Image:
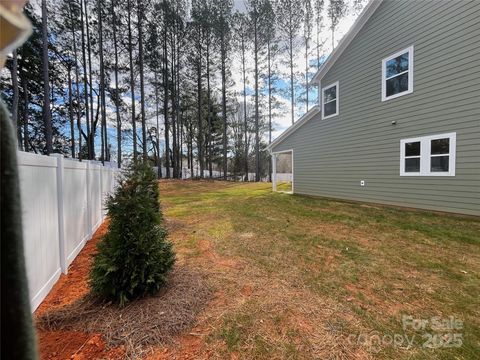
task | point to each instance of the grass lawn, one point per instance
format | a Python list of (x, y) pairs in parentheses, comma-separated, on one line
[(300, 277), (285, 186)]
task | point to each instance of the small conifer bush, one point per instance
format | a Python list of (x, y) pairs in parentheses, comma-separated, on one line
[(134, 257)]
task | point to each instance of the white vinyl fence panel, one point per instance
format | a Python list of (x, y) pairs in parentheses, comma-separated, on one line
[(95, 186), (187, 174), (62, 205), (75, 207), (284, 177)]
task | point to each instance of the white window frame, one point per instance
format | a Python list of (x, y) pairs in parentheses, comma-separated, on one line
[(337, 99), (409, 71), (425, 155)]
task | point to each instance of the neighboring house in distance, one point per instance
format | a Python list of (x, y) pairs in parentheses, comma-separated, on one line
[(398, 120)]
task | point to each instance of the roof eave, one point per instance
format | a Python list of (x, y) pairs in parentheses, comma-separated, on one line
[(302, 120)]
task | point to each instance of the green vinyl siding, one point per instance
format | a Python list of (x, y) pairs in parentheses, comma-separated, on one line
[(332, 155)]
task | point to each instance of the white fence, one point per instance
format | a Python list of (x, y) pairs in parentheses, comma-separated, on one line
[(284, 177), (62, 204), (187, 174)]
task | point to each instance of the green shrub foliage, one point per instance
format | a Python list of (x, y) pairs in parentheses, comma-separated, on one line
[(134, 256)]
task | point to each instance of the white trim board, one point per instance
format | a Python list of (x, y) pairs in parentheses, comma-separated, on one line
[(346, 40), (337, 99), (76, 251), (425, 155), (411, 60), (293, 171), (37, 299)]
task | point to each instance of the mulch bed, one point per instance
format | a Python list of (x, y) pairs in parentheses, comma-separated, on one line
[(71, 312)]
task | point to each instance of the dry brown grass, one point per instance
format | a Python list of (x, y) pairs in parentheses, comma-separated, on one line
[(145, 322)]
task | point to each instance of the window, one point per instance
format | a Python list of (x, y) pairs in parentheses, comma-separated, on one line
[(428, 155), (397, 74), (330, 101), (412, 156)]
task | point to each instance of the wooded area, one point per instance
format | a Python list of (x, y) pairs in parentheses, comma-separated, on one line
[(152, 79)]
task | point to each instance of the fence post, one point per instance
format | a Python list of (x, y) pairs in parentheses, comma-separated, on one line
[(274, 172), (61, 220), (89, 203), (102, 169)]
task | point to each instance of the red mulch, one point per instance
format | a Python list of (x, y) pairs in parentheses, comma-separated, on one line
[(71, 287)]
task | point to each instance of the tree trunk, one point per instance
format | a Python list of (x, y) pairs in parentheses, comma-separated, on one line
[(257, 135), (209, 106), (74, 40), (47, 117), (333, 38), (245, 108), (85, 84), (25, 114), (70, 111), (269, 106), (132, 81), (117, 97), (91, 134), (191, 148), (292, 89), (15, 97), (157, 132), (306, 71), (200, 110), (105, 156), (177, 107), (165, 97), (142, 85), (174, 117), (318, 45), (224, 102)]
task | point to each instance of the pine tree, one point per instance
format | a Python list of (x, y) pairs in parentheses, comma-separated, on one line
[(134, 256)]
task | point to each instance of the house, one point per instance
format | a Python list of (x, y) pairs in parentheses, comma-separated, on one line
[(398, 120)]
